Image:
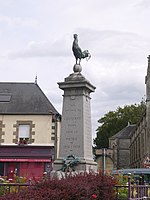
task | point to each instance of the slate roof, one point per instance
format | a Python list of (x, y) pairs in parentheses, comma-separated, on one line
[(124, 133), (24, 98)]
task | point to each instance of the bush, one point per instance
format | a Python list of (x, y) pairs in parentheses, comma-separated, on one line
[(85, 186), (122, 196)]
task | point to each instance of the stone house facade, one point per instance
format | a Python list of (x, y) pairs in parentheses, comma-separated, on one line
[(29, 124), (104, 159), (138, 144), (120, 143)]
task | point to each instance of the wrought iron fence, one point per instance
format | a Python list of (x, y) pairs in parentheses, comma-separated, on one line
[(6, 188), (134, 191)]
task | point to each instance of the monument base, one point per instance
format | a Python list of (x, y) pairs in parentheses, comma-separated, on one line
[(83, 166)]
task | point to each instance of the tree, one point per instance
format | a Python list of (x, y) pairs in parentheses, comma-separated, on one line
[(114, 121)]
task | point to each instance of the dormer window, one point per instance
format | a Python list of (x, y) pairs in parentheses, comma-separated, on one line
[(5, 97), (23, 134)]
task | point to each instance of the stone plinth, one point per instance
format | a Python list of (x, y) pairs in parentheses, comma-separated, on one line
[(76, 135)]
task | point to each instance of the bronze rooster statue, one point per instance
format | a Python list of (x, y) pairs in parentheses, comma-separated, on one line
[(78, 53)]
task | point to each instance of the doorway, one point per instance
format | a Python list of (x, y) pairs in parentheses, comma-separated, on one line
[(1, 169)]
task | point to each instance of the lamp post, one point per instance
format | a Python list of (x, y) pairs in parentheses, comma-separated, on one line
[(104, 159)]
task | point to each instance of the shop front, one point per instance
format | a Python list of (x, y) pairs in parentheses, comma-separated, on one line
[(25, 161)]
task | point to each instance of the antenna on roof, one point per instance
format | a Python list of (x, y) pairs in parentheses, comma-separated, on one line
[(35, 79)]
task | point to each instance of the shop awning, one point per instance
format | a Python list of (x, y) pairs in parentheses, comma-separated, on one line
[(23, 160)]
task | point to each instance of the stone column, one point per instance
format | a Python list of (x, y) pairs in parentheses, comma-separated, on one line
[(76, 135)]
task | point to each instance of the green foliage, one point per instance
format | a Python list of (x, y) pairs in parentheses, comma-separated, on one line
[(114, 121), (122, 191), (122, 196), (4, 189)]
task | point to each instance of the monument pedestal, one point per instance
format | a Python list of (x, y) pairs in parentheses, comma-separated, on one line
[(76, 135)]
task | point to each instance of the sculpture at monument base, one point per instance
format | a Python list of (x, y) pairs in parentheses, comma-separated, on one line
[(70, 162)]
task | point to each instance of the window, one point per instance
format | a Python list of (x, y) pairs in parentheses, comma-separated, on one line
[(52, 138), (53, 128), (24, 134), (5, 97)]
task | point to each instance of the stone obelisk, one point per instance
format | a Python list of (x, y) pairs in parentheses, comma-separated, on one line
[(76, 134)]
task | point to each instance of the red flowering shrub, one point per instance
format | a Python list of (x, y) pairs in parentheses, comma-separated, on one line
[(85, 186)]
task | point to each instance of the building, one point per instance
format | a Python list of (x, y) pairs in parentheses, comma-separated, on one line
[(29, 124), (104, 159), (120, 143), (131, 145), (140, 138), (138, 144)]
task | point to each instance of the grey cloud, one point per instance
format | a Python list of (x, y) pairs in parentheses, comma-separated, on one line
[(116, 90), (114, 45), (125, 92), (42, 49), (18, 21), (116, 97), (55, 96), (143, 4), (120, 44), (104, 44)]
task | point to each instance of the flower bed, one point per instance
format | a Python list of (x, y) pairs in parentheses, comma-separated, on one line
[(4, 189), (85, 186)]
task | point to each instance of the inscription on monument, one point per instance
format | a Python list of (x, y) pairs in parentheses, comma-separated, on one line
[(73, 123), (87, 121)]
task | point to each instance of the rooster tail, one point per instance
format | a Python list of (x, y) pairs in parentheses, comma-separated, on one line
[(88, 57), (86, 54)]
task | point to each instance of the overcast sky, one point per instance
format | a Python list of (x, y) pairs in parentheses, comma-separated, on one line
[(36, 39)]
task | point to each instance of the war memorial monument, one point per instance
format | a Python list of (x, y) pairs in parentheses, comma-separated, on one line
[(75, 146)]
